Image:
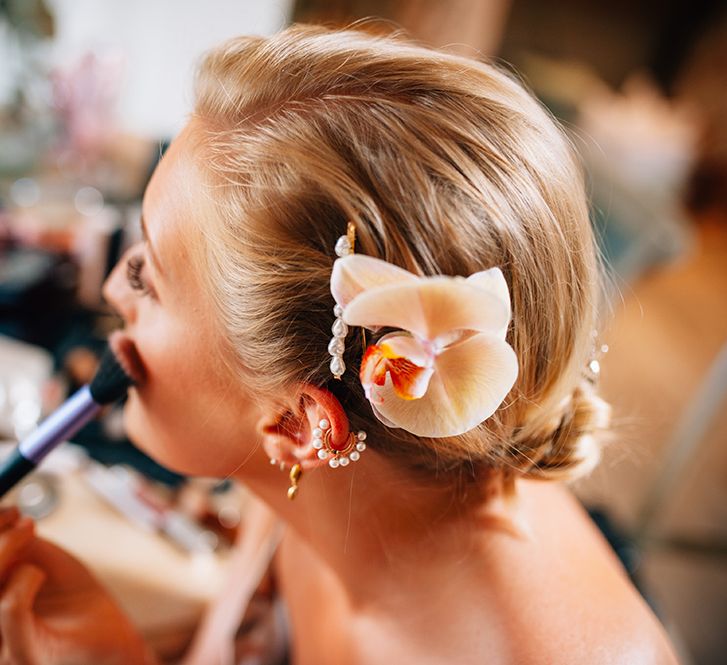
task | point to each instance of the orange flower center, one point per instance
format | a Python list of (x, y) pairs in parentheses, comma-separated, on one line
[(406, 375)]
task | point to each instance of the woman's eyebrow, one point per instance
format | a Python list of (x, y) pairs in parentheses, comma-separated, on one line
[(150, 248)]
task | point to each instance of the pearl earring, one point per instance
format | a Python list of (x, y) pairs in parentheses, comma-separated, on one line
[(350, 452)]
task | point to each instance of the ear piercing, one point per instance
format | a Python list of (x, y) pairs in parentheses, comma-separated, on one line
[(281, 464), (337, 456), (351, 451)]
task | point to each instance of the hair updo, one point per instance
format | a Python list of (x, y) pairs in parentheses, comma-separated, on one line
[(446, 166)]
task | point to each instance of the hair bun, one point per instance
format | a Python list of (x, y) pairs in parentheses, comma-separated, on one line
[(573, 448)]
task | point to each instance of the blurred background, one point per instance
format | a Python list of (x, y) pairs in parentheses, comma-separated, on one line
[(92, 92)]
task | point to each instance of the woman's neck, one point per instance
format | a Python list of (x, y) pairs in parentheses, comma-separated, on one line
[(373, 523)]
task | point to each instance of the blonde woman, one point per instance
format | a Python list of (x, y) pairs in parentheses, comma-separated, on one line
[(370, 264)]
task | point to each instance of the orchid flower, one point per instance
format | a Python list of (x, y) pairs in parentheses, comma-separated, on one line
[(447, 367)]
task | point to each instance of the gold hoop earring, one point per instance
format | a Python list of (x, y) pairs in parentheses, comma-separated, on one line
[(340, 456)]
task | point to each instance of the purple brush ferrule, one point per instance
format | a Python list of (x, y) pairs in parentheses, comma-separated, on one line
[(60, 426)]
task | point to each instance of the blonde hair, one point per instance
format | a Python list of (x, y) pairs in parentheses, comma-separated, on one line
[(446, 166)]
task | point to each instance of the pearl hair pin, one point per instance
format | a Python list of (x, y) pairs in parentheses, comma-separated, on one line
[(351, 452), (337, 346)]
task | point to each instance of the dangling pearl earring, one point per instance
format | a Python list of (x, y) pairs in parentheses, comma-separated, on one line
[(350, 452)]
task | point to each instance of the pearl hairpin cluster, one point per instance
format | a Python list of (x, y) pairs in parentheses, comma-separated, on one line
[(351, 452), (337, 346)]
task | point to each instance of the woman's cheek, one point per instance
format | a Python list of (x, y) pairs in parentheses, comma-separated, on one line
[(168, 434), (145, 432), (155, 411), (187, 414), (185, 441)]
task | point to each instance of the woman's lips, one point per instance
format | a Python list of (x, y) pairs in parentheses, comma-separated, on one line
[(128, 356)]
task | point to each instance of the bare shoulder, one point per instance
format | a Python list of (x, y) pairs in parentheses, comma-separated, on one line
[(571, 600)]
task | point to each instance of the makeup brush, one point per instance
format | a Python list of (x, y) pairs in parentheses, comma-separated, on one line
[(109, 384)]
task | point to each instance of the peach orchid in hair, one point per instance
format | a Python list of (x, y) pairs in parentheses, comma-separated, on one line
[(447, 367)]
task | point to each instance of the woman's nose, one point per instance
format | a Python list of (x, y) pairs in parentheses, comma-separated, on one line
[(117, 291)]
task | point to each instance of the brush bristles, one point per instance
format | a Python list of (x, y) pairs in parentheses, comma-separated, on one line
[(111, 381)]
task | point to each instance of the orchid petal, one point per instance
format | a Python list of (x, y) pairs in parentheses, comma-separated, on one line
[(431, 308), (403, 359), (469, 383), (493, 280), (399, 345), (356, 273), (373, 369), (409, 381)]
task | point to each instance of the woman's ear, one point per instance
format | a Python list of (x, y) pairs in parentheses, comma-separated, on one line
[(287, 432)]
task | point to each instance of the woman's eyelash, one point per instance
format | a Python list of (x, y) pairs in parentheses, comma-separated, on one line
[(133, 273)]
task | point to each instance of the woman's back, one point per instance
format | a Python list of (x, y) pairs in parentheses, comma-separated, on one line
[(544, 588)]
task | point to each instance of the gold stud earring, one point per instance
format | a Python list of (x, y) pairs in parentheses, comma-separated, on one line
[(295, 473)]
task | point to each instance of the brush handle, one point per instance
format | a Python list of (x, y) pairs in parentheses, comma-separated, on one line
[(12, 470), (60, 426)]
